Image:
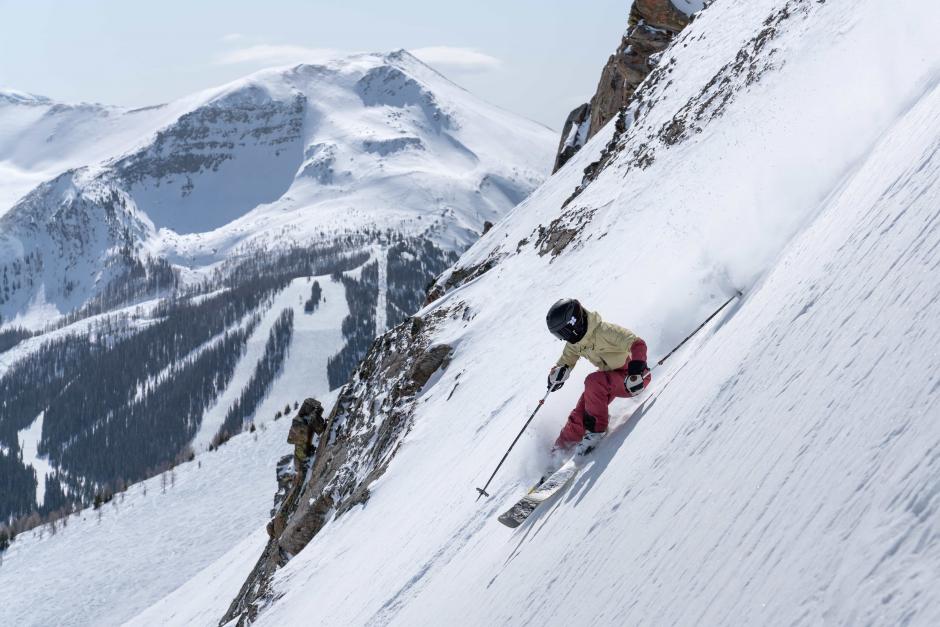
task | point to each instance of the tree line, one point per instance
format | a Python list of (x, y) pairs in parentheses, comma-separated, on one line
[(124, 400)]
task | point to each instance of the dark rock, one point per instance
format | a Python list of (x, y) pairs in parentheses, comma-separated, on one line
[(563, 230), (286, 471), (653, 25), (309, 420), (428, 363), (574, 134)]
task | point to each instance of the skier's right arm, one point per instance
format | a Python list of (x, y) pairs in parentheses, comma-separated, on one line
[(569, 357)]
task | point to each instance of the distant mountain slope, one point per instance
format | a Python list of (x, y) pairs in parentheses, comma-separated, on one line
[(138, 273), (370, 142)]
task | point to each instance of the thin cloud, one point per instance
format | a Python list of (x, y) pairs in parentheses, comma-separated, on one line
[(454, 58), (276, 55), (232, 37)]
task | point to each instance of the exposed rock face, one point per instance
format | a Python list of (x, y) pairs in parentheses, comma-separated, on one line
[(304, 433), (652, 27), (659, 14), (351, 449), (573, 134), (249, 139)]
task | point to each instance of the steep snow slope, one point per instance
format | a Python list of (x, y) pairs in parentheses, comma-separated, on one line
[(364, 143), (788, 472)]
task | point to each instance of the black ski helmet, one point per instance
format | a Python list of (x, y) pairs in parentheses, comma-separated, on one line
[(567, 320)]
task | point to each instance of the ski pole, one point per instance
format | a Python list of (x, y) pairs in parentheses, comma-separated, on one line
[(737, 293), (482, 490)]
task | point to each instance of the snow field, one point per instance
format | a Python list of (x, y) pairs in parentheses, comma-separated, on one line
[(381, 302), (206, 597), (146, 544), (29, 445)]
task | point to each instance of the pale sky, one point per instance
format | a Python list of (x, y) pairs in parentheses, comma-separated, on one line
[(539, 58)]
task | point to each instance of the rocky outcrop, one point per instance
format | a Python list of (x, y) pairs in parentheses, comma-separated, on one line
[(574, 134), (653, 25), (350, 450), (754, 59), (304, 433)]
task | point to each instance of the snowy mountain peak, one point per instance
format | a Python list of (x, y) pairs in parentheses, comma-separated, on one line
[(283, 156)]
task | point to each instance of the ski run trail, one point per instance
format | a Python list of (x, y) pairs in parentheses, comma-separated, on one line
[(786, 473), (305, 366)]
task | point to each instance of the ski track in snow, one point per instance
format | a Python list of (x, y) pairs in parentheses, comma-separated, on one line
[(27, 346), (159, 378)]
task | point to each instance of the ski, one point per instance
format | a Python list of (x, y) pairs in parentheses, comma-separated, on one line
[(518, 513), (549, 486)]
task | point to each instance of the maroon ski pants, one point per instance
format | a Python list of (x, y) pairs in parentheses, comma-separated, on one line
[(600, 388)]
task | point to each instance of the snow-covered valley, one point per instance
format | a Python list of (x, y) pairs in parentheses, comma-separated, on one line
[(783, 468)]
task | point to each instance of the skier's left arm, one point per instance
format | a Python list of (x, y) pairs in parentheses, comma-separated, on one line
[(638, 352), (629, 342)]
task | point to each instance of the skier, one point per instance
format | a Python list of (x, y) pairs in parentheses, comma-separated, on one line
[(619, 355)]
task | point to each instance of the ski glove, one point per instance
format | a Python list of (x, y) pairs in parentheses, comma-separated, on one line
[(557, 377), (636, 366), (636, 370)]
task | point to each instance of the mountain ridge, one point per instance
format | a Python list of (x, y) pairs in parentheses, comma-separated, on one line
[(250, 160)]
